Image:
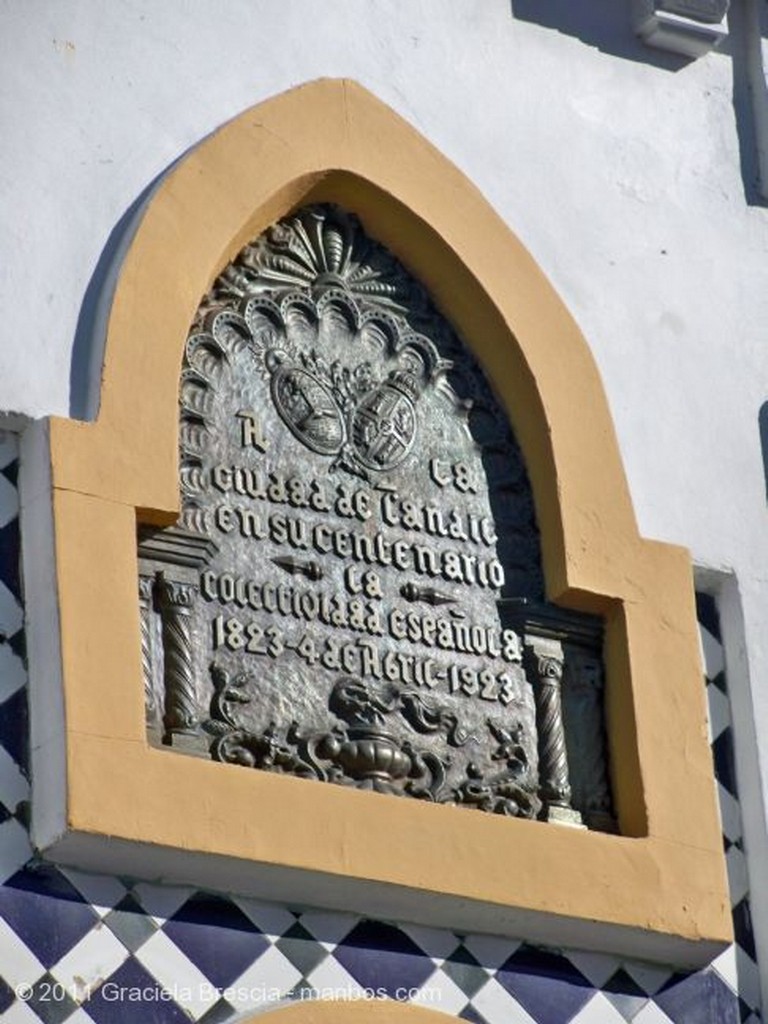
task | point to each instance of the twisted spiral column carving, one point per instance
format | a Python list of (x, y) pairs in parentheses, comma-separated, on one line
[(145, 608), (545, 660), (181, 711), (555, 787)]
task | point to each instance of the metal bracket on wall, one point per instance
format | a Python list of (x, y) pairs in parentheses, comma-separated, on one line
[(755, 33), (688, 27)]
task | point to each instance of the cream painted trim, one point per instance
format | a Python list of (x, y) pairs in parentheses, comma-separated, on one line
[(659, 890)]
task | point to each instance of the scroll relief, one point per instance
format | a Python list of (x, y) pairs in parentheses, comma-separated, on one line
[(356, 522)]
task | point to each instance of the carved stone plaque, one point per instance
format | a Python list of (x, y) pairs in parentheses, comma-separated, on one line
[(341, 598)]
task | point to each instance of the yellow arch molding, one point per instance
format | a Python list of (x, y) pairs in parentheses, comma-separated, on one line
[(658, 890), (352, 1011)]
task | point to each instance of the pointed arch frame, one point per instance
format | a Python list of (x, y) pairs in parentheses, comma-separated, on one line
[(101, 793)]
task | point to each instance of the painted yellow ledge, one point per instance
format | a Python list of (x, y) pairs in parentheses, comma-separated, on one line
[(659, 889), (354, 1011)]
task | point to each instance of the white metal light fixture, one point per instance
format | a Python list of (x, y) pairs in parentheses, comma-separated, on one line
[(688, 27)]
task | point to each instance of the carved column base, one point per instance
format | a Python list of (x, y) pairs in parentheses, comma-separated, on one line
[(196, 743), (155, 736), (563, 816)]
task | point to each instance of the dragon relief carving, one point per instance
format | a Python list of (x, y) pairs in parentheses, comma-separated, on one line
[(361, 752)]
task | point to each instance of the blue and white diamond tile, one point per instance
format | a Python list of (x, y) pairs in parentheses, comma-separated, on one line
[(651, 1013), (9, 501), (45, 912), (11, 612), (9, 448), (101, 950), (161, 902), (440, 990), (546, 984), (330, 976), (177, 974), (95, 957), (297, 945), (215, 935), (268, 980), (128, 922), (738, 878), (599, 1010), (327, 927), (13, 676), (649, 978), (100, 892), (398, 962), (730, 816), (434, 942), (14, 787), (625, 995), (20, 1013), (490, 950), (598, 968), (465, 971), (20, 966), (748, 978), (271, 920), (496, 1005), (133, 994)]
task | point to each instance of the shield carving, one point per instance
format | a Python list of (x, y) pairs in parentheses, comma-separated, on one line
[(383, 427), (309, 410)]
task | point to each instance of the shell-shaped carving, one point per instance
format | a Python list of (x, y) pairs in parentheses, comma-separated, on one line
[(335, 248), (205, 356), (230, 331), (298, 305), (195, 519), (424, 349), (237, 279), (381, 330), (193, 434), (195, 395), (299, 318), (321, 241), (341, 303), (263, 318), (337, 317), (192, 477), (320, 247)]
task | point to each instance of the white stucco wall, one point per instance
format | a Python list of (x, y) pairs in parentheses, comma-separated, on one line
[(619, 169)]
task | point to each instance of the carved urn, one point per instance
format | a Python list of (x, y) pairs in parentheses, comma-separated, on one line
[(371, 757)]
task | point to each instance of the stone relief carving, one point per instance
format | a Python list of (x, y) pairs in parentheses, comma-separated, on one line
[(353, 592), (360, 751)]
